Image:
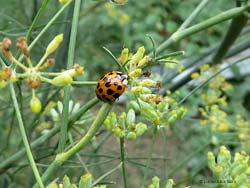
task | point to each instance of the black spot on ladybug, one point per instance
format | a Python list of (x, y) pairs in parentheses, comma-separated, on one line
[(105, 79), (110, 91), (115, 83), (119, 88), (104, 96), (116, 95), (108, 100), (98, 85), (99, 97), (100, 90), (110, 73), (108, 84)]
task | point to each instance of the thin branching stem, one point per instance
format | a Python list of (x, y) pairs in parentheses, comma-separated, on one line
[(62, 157), (177, 36), (150, 155), (67, 93), (24, 138), (122, 156), (73, 118)]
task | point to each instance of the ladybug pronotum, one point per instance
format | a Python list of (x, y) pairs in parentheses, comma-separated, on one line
[(111, 86)]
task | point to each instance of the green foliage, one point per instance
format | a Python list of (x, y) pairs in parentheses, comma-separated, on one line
[(162, 126)]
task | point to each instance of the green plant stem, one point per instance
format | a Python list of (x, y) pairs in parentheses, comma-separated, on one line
[(71, 54), (24, 137), (46, 27), (35, 21), (151, 150), (179, 35), (62, 157), (106, 174), (84, 83), (12, 159), (77, 155), (234, 30), (122, 156), (193, 15)]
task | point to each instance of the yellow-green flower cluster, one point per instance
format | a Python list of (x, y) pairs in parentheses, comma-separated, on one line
[(213, 99), (125, 125), (121, 17), (153, 107), (157, 109), (156, 183), (215, 117), (33, 73), (235, 172), (243, 129), (86, 181)]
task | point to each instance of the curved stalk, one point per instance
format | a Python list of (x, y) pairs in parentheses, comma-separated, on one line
[(177, 36), (62, 157)]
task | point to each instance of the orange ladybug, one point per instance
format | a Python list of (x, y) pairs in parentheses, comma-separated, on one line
[(111, 86)]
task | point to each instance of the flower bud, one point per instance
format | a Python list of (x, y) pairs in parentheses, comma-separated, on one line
[(72, 186), (124, 56), (117, 131), (148, 111), (140, 90), (35, 105), (151, 98), (224, 155), (136, 58), (195, 75), (133, 104), (3, 84), (107, 125), (140, 128), (6, 73), (63, 2), (53, 185), (156, 182), (131, 135), (53, 45), (78, 69), (34, 83), (122, 120), (147, 83), (135, 73), (130, 117), (49, 62), (163, 106), (239, 169), (170, 183), (211, 160), (113, 119), (86, 181), (145, 60), (62, 80), (6, 44), (66, 182), (22, 45)]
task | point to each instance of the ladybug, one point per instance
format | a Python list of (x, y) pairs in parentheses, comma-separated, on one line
[(111, 86)]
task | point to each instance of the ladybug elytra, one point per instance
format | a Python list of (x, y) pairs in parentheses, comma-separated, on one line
[(111, 86)]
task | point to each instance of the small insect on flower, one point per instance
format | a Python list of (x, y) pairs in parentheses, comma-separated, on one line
[(111, 86)]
